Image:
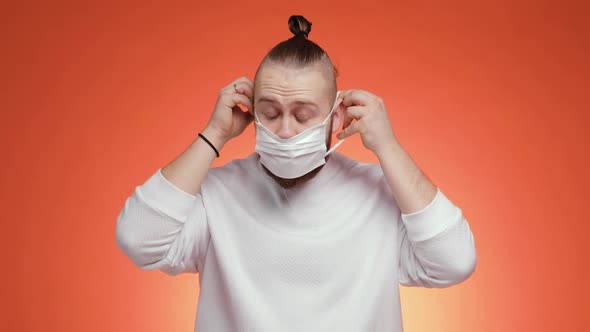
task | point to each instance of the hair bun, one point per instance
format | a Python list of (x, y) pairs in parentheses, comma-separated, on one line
[(298, 25)]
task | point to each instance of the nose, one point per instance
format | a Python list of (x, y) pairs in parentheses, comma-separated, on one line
[(286, 130)]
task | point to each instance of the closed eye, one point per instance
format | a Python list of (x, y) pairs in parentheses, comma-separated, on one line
[(301, 120), (269, 113), (302, 115)]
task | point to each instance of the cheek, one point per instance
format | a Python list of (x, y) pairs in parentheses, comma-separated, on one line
[(272, 125)]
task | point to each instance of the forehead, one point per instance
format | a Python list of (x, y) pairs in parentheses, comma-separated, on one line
[(291, 85)]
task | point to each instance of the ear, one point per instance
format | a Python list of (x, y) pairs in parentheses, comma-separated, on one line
[(338, 117)]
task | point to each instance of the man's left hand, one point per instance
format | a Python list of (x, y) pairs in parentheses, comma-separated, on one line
[(371, 122)]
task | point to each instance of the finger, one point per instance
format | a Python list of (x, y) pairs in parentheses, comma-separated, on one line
[(243, 83), (247, 89), (355, 112), (244, 86), (231, 88), (350, 130), (246, 102), (241, 86), (244, 79), (241, 120), (351, 113), (346, 122), (356, 97), (239, 99), (245, 118)]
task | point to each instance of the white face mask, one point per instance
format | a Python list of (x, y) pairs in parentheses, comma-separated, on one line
[(293, 157)]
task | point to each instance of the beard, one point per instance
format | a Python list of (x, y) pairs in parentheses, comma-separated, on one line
[(290, 183)]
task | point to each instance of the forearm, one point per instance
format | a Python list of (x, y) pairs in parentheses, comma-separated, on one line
[(188, 170), (437, 248), (411, 188)]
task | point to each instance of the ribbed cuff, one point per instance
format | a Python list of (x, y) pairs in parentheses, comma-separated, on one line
[(431, 220), (165, 197)]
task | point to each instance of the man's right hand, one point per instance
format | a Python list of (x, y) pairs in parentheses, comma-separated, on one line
[(228, 120)]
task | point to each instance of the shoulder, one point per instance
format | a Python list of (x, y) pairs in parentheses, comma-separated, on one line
[(365, 180), (235, 172), (231, 180), (362, 177), (235, 183), (355, 169)]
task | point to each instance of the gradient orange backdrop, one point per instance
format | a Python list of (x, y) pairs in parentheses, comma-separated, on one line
[(489, 98)]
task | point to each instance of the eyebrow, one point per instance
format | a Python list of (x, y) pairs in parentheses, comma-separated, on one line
[(297, 102)]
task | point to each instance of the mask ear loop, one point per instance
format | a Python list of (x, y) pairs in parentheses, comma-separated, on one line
[(334, 147), (340, 141), (256, 118)]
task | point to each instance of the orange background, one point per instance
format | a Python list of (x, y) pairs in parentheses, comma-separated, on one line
[(489, 98)]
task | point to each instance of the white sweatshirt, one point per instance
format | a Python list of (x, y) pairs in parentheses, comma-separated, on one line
[(326, 256)]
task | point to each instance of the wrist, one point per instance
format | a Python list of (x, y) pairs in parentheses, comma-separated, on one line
[(214, 137), (388, 149)]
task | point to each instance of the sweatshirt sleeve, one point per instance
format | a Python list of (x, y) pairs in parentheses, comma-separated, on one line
[(163, 227), (436, 245)]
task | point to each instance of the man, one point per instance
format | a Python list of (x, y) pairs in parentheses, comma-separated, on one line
[(295, 237)]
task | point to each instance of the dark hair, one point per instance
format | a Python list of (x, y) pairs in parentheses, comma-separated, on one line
[(298, 50)]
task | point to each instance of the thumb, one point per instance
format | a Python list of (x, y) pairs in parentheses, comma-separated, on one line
[(348, 131), (242, 120)]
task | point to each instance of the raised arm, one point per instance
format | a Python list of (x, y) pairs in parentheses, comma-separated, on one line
[(436, 244), (163, 223)]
